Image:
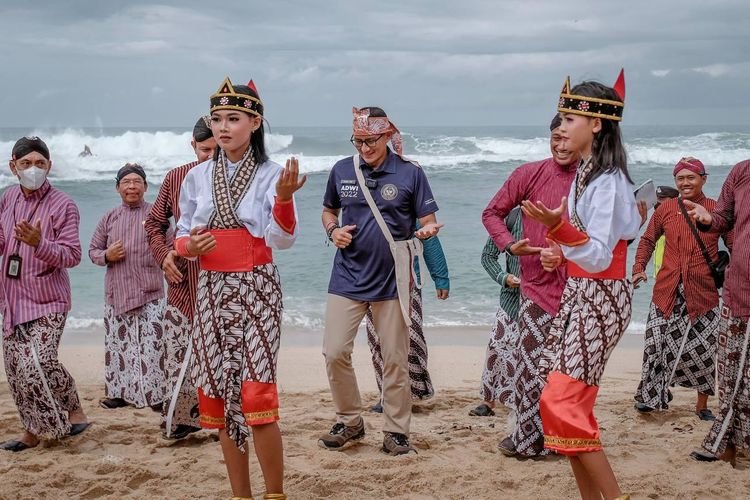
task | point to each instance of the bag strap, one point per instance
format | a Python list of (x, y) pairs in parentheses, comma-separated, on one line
[(702, 246), (415, 248), (371, 201)]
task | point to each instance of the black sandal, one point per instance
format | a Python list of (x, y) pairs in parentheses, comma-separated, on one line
[(705, 414), (112, 403), (76, 429), (482, 410), (702, 456), (16, 446)]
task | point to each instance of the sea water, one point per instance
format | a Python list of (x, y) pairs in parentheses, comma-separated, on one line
[(465, 167)]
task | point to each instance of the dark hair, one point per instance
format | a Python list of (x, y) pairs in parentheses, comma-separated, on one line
[(257, 139), (556, 122), (608, 152), (375, 111), (202, 130)]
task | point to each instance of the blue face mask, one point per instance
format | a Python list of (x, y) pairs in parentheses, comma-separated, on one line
[(32, 178)]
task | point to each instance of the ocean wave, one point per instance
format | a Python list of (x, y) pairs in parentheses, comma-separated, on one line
[(162, 150)]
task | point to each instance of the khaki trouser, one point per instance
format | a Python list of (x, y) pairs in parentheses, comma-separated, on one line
[(343, 317)]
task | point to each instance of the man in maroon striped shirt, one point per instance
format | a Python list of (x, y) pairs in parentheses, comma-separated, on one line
[(180, 413), (731, 429), (134, 299), (38, 242), (683, 320), (547, 181)]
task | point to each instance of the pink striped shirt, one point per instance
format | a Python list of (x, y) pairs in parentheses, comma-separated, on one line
[(136, 279), (733, 212), (44, 286), (544, 181)]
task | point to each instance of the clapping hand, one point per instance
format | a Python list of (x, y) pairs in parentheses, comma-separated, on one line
[(551, 256), (428, 230), (289, 181), (540, 213), (201, 241)]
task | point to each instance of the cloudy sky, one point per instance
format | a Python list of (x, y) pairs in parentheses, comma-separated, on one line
[(427, 62)]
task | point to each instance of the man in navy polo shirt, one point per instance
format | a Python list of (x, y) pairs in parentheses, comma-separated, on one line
[(364, 274)]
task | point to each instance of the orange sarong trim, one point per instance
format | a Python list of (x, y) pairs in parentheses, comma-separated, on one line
[(567, 411), (260, 403), (570, 443)]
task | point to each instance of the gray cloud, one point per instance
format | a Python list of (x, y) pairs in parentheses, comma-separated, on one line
[(80, 63)]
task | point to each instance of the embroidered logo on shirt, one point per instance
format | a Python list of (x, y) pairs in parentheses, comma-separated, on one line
[(389, 192)]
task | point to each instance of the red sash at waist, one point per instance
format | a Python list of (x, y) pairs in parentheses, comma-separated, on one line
[(615, 271), (236, 251)]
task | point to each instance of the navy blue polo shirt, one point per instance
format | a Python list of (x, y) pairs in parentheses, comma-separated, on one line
[(364, 270)]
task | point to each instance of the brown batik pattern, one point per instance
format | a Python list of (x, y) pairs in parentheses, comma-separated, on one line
[(593, 316), (419, 377), (533, 326), (134, 354), (499, 374), (674, 344), (178, 330), (43, 390), (238, 329), (732, 424)]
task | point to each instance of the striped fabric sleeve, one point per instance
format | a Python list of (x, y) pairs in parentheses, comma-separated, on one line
[(437, 265), (157, 222), (647, 244), (98, 245), (65, 249), (491, 262)]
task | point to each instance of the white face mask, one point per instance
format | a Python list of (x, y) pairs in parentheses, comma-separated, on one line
[(32, 178)]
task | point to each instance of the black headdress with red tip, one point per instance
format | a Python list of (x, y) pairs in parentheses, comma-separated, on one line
[(227, 98), (592, 106)]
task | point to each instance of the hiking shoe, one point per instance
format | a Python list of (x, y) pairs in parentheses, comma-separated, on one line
[(341, 434), (377, 408), (397, 444)]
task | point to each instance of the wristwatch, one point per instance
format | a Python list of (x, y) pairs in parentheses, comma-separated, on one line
[(507, 248)]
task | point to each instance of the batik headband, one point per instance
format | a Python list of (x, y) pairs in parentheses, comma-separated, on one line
[(227, 98), (364, 124), (592, 106), (689, 163)]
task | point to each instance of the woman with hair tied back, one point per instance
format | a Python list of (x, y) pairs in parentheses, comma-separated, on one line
[(588, 233), (234, 210)]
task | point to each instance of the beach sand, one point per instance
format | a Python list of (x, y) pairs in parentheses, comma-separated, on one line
[(123, 455)]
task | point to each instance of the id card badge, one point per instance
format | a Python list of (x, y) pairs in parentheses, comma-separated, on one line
[(14, 267)]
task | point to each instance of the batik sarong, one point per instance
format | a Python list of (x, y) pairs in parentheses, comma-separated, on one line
[(134, 354), (593, 316), (677, 352), (178, 331), (43, 390), (236, 347), (499, 374), (732, 424), (421, 384), (533, 326)]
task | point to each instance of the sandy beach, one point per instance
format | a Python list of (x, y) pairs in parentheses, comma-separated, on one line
[(123, 455)]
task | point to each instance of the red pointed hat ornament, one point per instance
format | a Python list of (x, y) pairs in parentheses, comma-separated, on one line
[(228, 98), (592, 106)]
